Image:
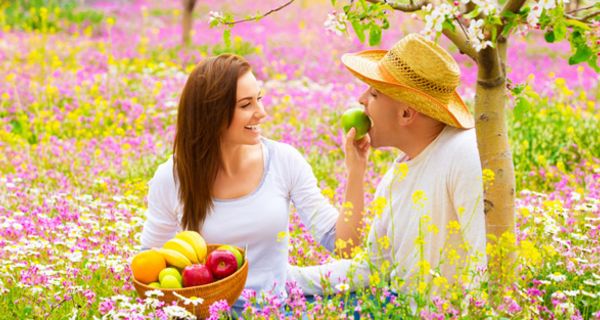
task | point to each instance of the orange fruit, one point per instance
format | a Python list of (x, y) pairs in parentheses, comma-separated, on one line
[(146, 266)]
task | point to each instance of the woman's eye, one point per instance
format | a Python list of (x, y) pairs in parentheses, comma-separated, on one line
[(245, 106)]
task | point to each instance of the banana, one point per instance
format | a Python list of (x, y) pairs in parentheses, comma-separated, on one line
[(174, 258), (182, 247), (196, 241)]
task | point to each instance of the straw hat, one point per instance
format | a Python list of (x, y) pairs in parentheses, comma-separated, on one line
[(417, 71)]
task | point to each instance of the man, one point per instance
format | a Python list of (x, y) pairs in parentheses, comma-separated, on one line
[(432, 223)]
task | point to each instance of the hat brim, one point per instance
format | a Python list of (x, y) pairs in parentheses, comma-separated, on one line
[(365, 66)]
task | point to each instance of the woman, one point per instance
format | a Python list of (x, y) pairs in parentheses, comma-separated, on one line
[(233, 186)]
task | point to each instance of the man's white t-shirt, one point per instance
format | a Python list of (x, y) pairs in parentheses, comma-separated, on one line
[(258, 220), (432, 203)]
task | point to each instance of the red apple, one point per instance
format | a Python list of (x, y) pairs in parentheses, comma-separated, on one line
[(235, 251), (196, 274), (221, 263)]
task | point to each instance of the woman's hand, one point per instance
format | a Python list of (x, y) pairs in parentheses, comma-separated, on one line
[(356, 152)]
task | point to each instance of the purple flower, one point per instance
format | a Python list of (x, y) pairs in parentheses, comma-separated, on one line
[(218, 308)]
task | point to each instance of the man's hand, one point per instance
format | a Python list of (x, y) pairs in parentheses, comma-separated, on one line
[(356, 152)]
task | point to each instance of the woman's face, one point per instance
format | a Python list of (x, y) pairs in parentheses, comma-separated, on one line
[(383, 112), (249, 113)]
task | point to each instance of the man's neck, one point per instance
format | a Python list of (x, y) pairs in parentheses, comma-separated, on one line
[(419, 140)]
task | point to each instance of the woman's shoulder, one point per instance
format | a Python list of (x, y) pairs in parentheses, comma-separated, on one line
[(281, 150), (164, 173)]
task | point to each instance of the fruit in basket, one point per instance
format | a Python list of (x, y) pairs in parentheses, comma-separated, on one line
[(169, 271), (174, 258), (146, 266), (196, 275), (196, 241), (236, 253), (221, 263), (182, 247), (170, 282), (155, 285)]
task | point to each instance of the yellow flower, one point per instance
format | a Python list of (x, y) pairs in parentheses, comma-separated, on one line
[(453, 227), (340, 244), (384, 242), (378, 204), (385, 265), (453, 256), (374, 279), (424, 267), (433, 228), (401, 171), (460, 211), (440, 281), (419, 198), (488, 177), (281, 235), (328, 193), (530, 253)]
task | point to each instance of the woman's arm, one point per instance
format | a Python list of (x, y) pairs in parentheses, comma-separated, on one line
[(348, 222), (161, 219)]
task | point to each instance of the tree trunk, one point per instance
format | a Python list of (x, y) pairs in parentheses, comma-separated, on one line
[(492, 139), (187, 20)]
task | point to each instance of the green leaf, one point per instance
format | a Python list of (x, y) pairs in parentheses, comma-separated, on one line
[(359, 30), (549, 36), (374, 35), (447, 24), (583, 53), (386, 24), (577, 24), (472, 14), (577, 39), (518, 89), (333, 3), (593, 62), (560, 30), (509, 14), (509, 26), (227, 37), (521, 107)]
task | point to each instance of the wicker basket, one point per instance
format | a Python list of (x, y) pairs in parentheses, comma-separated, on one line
[(229, 288)]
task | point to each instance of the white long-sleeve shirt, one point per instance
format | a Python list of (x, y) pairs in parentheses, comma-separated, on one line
[(257, 220), (436, 197)]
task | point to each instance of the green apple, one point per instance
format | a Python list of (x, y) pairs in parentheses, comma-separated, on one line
[(169, 271), (235, 251), (357, 118), (155, 285), (170, 282)]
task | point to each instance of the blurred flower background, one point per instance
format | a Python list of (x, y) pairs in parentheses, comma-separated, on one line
[(88, 100)]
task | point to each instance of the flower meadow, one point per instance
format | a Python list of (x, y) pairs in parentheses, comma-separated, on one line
[(88, 101)]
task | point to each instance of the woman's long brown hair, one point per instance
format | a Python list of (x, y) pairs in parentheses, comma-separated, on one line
[(206, 108)]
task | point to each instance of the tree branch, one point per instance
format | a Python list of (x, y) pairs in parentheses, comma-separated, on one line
[(585, 19), (261, 16), (581, 9), (512, 6), (461, 42), (411, 7), (589, 16)]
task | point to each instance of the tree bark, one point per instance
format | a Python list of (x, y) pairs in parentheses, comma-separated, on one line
[(492, 139), (187, 20)]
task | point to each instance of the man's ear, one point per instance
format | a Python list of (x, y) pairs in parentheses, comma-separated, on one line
[(406, 115)]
